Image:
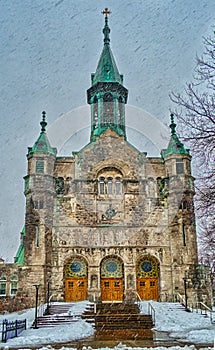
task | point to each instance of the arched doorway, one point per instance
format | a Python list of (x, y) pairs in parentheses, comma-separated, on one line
[(112, 279), (148, 278), (75, 275)]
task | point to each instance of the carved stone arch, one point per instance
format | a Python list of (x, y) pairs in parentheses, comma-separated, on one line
[(122, 167)]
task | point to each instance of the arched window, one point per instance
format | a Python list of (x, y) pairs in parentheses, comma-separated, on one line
[(3, 282), (110, 181), (13, 285), (110, 185), (101, 185)]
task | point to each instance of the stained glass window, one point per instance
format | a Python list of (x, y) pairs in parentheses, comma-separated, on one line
[(111, 267), (76, 267), (148, 267)]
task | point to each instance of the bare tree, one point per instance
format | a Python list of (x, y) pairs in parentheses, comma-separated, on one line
[(196, 115)]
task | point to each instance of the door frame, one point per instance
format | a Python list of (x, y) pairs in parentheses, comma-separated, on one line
[(148, 269), (75, 269), (108, 272)]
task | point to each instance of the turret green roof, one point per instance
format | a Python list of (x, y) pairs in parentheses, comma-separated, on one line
[(175, 146), (107, 70), (42, 145), (19, 258)]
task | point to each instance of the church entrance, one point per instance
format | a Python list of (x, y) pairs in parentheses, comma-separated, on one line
[(75, 289), (112, 279), (148, 278), (75, 277)]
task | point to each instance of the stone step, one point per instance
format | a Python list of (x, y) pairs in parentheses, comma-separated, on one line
[(121, 334), (117, 307)]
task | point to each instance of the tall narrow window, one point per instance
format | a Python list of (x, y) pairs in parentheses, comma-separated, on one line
[(184, 234), (95, 112), (110, 185), (39, 166), (179, 166), (13, 285), (101, 185), (37, 236), (3, 282), (121, 113), (118, 185), (108, 109)]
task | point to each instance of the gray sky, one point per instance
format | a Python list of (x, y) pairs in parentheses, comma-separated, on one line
[(48, 49)]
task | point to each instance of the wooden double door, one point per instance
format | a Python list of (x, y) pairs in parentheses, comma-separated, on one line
[(147, 288), (112, 289), (75, 289)]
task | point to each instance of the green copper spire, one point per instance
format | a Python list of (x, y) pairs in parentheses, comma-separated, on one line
[(175, 146), (107, 95), (107, 70), (42, 144), (19, 258)]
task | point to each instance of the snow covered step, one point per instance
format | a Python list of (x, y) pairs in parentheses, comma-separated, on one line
[(62, 314)]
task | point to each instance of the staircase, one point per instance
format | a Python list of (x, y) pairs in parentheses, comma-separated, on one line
[(111, 320), (57, 315), (122, 321)]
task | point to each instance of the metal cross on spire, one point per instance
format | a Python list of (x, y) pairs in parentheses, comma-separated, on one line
[(106, 29), (106, 12)]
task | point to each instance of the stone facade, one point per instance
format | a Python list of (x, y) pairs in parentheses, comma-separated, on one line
[(107, 223)]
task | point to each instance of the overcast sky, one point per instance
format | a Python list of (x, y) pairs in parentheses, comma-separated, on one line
[(48, 49)]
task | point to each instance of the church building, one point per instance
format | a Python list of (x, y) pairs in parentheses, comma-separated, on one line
[(107, 223)]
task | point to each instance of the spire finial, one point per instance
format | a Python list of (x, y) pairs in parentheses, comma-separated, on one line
[(43, 122), (172, 125), (106, 29)]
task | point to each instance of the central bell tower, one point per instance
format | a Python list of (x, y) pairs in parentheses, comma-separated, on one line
[(107, 95)]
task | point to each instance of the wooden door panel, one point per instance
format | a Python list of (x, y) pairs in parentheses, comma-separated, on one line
[(147, 288), (112, 289), (75, 289)]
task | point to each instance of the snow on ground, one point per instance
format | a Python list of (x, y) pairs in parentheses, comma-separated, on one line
[(182, 325), (121, 346), (170, 317), (49, 335)]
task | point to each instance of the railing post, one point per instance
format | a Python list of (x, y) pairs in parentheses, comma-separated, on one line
[(16, 325)]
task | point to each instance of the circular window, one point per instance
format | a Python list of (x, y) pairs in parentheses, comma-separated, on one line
[(146, 266), (111, 266), (75, 266)]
